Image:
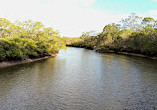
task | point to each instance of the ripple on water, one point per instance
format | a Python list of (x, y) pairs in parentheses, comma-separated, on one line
[(81, 79)]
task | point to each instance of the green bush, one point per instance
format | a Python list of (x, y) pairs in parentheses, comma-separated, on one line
[(27, 39)]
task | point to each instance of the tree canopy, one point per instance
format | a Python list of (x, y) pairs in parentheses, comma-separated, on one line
[(134, 34), (27, 39)]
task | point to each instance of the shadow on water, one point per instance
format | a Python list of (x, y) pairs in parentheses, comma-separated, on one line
[(81, 79)]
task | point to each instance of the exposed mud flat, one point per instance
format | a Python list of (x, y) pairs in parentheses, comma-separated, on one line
[(4, 64)]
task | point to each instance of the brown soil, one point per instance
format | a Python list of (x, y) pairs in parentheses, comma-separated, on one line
[(4, 64)]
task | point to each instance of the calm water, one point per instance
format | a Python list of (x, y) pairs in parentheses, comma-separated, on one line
[(80, 79)]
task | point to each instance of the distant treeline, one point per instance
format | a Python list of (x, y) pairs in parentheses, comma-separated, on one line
[(71, 40), (27, 39), (134, 34)]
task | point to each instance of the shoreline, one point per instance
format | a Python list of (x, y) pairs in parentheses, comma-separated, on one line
[(101, 50), (5, 64), (137, 55)]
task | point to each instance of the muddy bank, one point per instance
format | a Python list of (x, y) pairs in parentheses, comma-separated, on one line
[(4, 64), (107, 50), (135, 54)]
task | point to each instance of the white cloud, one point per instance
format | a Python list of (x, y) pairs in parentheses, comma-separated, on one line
[(65, 15), (86, 2), (153, 13)]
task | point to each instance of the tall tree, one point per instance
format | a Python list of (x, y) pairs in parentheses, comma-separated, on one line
[(132, 23), (148, 20)]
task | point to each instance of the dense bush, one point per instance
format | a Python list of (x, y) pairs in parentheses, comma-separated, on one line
[(133, 35), (27, 39)]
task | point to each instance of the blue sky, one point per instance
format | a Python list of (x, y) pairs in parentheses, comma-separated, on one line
[(126, 6), (72, 17)]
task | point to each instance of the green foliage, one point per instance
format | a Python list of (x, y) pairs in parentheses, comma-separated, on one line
[(27, 39), (134, 35), (133, 23), (125, 33), (71, 40)]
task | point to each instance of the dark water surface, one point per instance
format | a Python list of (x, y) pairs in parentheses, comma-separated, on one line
[(80, 79)]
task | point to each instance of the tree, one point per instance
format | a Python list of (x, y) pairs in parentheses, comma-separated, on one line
[(132, 23), (27, 39), (4, 26), (88, 34), (148, 29), (125, 33), (112, 29), (148, 20)]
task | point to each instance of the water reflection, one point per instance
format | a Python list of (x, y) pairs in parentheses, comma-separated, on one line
[(80, 79)]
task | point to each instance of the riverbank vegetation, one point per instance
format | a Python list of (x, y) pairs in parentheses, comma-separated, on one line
[(27, 39), (134, 34), (71, 40)]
